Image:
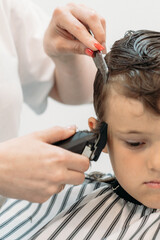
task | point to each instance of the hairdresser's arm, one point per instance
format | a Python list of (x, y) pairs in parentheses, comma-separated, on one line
[(33, 169), (65, 41)]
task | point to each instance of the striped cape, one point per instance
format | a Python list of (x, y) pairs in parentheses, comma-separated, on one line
[(88, 211)]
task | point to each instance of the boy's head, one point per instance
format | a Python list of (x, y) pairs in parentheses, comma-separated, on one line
[(130, 103)]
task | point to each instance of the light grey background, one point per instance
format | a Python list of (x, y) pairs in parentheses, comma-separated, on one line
[(120, 15)]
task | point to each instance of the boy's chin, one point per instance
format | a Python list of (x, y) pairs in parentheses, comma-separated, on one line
[(155, 205), (151, 202)]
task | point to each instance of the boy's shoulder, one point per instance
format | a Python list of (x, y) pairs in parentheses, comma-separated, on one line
[(99, 178), (95, 184)]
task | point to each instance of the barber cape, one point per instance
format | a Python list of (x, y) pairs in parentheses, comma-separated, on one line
[(26, 73), (88, 211)]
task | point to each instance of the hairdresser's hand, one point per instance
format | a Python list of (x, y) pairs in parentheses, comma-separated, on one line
[(33, 169), (68, 31)]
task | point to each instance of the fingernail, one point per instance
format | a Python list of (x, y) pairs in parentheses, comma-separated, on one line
[(72, 127), (99, 46), (89, 52)]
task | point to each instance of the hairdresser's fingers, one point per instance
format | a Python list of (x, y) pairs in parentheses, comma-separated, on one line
[(77, 162), (61, 177), (69, 177), (78, 31), (55, 134), (63, 159), (74, 178), (77, 20), (103, 22), (60, 188), (93, 21), (68, 167), (74, 46)]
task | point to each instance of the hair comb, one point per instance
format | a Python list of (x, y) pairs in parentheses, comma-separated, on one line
[(100, 62)]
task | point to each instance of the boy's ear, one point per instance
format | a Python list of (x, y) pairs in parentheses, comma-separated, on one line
[(92, 122)]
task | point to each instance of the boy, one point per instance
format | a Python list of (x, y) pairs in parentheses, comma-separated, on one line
[(126, 207)]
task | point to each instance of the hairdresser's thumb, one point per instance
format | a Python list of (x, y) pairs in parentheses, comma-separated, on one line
[(56, 133)]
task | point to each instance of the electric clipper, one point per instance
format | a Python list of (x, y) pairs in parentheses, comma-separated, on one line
[(86, 143)]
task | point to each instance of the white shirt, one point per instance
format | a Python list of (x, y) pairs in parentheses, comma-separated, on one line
[(26, 72)]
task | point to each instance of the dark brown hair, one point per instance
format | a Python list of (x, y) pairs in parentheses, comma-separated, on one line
[(134, 64)]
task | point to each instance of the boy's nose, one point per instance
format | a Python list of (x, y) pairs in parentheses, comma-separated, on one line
[(154, 159)]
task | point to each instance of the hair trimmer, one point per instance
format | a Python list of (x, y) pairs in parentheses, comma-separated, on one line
[(86, 143)]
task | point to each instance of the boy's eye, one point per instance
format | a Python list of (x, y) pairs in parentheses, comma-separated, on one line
[(135, 144)]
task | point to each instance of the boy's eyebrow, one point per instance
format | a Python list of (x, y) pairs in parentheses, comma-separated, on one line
[(131, 132)]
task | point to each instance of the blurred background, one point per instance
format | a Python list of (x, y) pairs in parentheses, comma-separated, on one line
[(120, 16)]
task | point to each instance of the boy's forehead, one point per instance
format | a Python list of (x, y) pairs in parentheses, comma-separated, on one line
[(120, 104), (123, 113)]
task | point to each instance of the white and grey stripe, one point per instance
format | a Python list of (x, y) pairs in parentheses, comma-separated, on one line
[(92, 211), (21, 219), (127, 222)]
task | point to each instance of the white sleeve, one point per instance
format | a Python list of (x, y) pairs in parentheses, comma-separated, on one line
[(28, 24)]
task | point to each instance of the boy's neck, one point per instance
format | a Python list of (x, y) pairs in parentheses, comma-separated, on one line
[(122, 193)]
